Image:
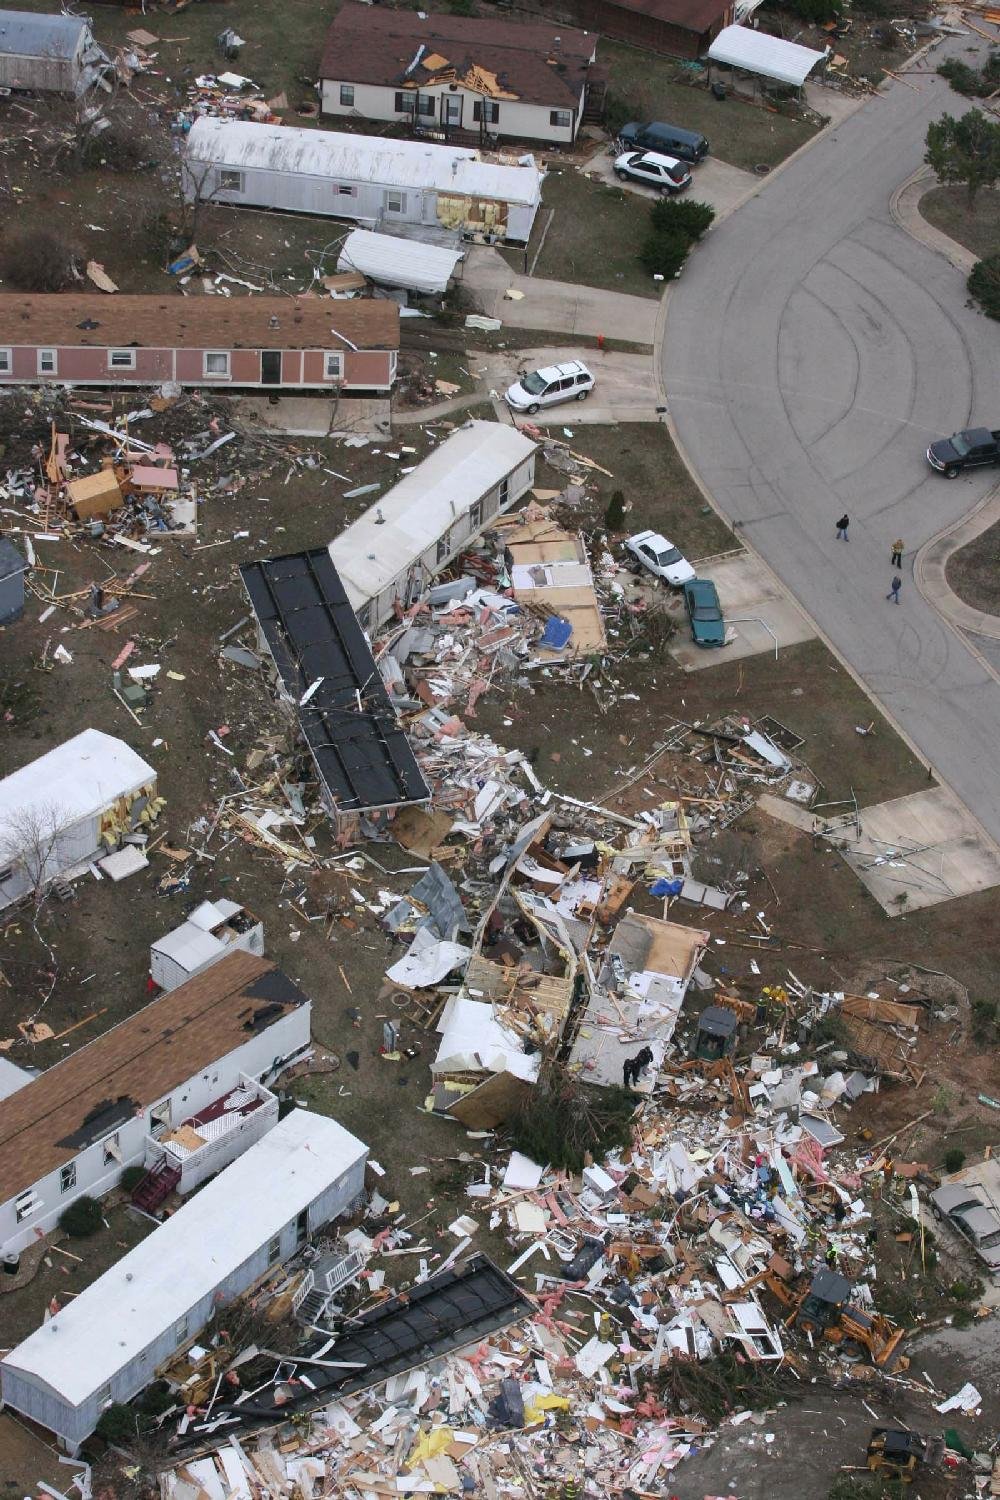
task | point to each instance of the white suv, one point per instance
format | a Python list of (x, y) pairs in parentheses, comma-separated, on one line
[(664, 173), (569, 382)]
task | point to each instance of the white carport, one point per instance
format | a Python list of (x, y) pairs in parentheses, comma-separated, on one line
[(768, 56), (390, 260)]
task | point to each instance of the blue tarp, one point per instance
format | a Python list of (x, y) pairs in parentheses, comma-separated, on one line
[(556, 633)]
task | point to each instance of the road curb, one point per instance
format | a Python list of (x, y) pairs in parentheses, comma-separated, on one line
[(904, 207), (930, 574)]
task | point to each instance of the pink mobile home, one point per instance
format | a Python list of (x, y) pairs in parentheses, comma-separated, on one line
[(311, 343)]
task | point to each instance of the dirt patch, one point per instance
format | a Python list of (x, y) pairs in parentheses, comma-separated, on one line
[(978, 229), (974, 571)]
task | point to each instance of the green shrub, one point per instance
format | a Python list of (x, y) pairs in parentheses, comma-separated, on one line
[(682, 216), (972, 82), (118, 1424), (614, 515), (663, 253), (131, 1178), (82, 1218), (961, 1317), (562, 1121), (984, 284), (953, 1159)]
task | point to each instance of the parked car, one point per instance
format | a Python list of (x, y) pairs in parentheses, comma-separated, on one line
[(665, 173), (661, 557), (701, 600), (672, 140), (569, 382), (968, 1209), (964, 450)]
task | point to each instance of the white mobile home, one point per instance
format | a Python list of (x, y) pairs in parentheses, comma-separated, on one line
[(401, 542), (69, 807), (369, 179), (108, 1343), (188, 1071), (213, 929)]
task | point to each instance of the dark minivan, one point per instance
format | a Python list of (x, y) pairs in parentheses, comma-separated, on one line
[(671, 140)]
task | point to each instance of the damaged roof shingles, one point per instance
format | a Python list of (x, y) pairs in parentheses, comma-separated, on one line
[(80, 1100), (534, 62)]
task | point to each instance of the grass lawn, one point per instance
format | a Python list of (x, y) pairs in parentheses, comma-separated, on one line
[(947, 208), (660, 88), (646, 467), (594, 237), (974, 571)]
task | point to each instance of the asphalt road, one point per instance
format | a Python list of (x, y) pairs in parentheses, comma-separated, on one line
[(812, 350)]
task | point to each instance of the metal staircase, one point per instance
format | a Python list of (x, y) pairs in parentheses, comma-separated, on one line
[(321, 1283)]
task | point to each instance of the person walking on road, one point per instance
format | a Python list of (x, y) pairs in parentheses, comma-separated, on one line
[(842, 526), (894, 588), (897, 554)]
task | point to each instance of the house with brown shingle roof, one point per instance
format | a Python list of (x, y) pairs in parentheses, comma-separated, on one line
[(452, 75), (291, 343), (178, 1087)]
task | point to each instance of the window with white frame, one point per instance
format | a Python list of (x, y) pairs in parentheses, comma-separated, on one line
[(274, 1250), (67, 1177), (181, 1330), (230, 182), (47, 362), (6, 361), (111, 1151), (121, 359), (27, 1204), (486, 109), (159, 1117), (347, 95), (476, 515), (395, 202), (409, 102), (347, 190), (561, 119), (443, 547), (333, 367), (104, 1395), (217, 364)]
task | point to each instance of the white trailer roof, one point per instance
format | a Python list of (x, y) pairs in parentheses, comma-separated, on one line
[(422, 506), (187, 1257), (74, 781), (756, 52), (393, 261), (361, 158)]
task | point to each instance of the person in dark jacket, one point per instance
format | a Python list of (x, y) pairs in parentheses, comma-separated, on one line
[(842, 526)]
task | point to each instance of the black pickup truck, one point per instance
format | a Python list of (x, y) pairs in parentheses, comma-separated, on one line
[(965, 450)]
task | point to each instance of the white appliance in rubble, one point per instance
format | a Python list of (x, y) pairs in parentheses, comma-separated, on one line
[(213, 929)]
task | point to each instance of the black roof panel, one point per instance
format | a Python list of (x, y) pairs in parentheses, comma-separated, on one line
[(349, 723)]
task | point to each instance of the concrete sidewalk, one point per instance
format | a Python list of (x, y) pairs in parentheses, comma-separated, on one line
[(556, 306)]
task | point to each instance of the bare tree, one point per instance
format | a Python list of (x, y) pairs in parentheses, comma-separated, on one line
[(29, 841)]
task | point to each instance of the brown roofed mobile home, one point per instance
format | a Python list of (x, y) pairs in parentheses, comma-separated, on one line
[(310, 342)]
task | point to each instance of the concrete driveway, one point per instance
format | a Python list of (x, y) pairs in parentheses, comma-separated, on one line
[(713, 181), (759, 614), (556, 306), (811, 351), (625, 391)]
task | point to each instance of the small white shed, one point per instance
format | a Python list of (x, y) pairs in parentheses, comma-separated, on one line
[(368, 178), (213, 929), (107, 1344), (395, 549), (68, 807), (390, 260)]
